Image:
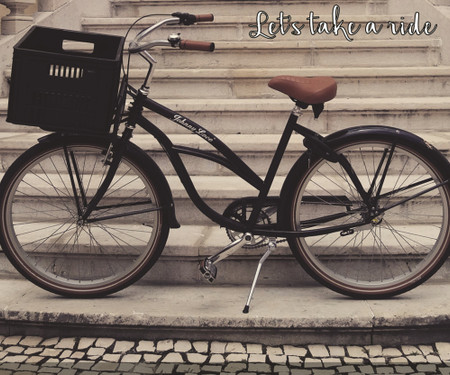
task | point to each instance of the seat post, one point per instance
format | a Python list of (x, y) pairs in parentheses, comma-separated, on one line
[(297, 110)]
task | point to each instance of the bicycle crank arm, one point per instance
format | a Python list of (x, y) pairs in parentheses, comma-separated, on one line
[(207, 266), (231, 248)]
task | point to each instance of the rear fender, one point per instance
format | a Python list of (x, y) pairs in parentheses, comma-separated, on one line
[(341, 137)]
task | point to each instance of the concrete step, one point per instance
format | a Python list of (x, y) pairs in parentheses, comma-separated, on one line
[(302, 53), (268, 116), (237, 28), (257, 152), (278, 316), (190, 244), (135, 8), (299, 54), (217, 191), (251, 83)]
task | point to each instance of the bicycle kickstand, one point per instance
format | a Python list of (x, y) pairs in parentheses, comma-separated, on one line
[(271, 246)]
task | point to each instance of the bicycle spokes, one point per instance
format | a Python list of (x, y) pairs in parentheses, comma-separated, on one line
[(380, 245), (75, 181), (45, 221)]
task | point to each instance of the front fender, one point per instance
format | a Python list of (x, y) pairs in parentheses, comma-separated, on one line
[(158, 175)]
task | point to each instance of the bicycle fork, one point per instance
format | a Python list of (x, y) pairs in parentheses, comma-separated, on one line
[(208, 266)]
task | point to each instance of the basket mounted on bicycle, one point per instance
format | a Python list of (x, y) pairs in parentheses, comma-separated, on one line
[(58, 86)]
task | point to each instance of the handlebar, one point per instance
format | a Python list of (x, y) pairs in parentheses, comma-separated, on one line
[(174, 41), (190, 19), (205, 17), (197, 45)]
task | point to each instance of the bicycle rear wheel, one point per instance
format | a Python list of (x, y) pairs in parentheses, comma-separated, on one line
[(400, 248), (41, 231)]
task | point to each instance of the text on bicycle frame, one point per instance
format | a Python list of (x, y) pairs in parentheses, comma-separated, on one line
[(193, 128)]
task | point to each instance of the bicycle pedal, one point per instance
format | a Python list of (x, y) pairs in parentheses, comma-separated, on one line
[(208, 270)]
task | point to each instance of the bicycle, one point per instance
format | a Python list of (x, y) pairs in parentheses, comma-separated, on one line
[(86, 213)]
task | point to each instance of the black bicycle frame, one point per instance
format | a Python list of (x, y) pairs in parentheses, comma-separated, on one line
[(234, 163), (312, 140)]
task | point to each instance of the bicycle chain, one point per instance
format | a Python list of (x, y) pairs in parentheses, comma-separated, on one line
[(260, 243)]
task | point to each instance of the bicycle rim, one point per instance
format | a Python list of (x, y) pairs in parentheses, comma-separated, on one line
[(400, 248), (50, 245)]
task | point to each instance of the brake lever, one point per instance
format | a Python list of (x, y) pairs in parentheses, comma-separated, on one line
[(185, 18)]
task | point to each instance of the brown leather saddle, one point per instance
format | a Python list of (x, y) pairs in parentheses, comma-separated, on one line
[(306, 91)]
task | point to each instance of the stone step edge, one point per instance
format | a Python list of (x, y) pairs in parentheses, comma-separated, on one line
[(21, 140), (114, 22), (215, 187), (237, 46), (222, 189), (188, 245), (267, 73), (409, 74), (193, 242), (286, 315), (284, 104)]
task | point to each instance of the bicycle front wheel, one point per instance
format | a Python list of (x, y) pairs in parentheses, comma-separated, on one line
[(41, 231), (398, 249)]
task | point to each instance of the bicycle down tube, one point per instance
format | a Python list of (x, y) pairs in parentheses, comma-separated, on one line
[(229, 160)]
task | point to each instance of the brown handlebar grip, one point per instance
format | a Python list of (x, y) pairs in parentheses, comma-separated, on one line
[(197, 46), (204, 17)]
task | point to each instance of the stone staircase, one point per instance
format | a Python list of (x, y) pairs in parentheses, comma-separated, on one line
[(382, 79)]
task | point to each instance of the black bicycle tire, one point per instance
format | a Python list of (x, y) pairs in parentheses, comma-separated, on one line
[(301, 169), (133, 154)]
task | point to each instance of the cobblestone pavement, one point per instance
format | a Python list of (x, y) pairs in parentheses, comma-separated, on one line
[(107, 356)]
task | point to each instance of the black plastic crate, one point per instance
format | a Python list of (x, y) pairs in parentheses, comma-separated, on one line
[(58, 86)]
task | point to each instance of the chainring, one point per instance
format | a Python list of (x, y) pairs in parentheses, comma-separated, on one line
[(240, 211)]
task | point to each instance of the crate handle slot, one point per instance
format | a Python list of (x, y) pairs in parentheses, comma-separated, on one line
[(63, 71), (79, 47)]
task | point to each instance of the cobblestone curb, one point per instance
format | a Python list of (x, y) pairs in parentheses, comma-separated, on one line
[(107, 356)]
